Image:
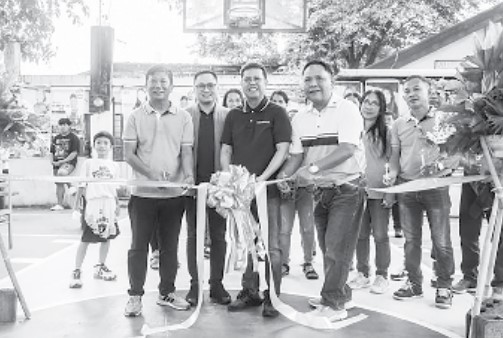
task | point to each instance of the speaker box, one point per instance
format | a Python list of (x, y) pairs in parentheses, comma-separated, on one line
[(102, 38)]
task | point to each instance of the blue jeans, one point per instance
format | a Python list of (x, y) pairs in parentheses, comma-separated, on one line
[(338, 215), (304, 205), (250, 279), (437, 204), (375, 221), (145, 214)]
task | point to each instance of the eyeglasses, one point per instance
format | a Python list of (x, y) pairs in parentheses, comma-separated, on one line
[(371, 103), (252, 79), (203, 86)]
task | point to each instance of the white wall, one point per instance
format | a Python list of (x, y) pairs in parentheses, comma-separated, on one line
[(454, 51)]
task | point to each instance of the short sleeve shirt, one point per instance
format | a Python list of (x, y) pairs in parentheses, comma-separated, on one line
[(64, 145), (159, 138), (253, 134), (319, 133), (100, 169), (408, 137)]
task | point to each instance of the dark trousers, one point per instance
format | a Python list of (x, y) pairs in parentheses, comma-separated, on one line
[(476, 198), (144, 214), (250, 279), (395, 215), (218, 246)]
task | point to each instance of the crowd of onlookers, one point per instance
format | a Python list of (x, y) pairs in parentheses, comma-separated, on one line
[(332, 154)]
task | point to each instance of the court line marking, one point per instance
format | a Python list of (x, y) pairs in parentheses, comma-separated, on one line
[(434, 328)]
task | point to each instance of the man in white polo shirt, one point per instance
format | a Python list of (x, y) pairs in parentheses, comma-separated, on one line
[(326, 155)]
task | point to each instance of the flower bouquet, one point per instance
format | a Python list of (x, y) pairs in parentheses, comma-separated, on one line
[(231, 194)]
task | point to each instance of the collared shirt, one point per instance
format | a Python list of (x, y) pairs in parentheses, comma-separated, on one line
[(408, 137), (319, 133), (159, 138), (206, 149), (253, 134)]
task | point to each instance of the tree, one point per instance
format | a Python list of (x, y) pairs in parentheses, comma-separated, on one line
[(30, 22), (240, 48), (356, 33)]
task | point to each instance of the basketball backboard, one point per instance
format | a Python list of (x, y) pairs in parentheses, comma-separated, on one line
[(244, 15)]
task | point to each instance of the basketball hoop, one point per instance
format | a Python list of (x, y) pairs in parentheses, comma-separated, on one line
[(240, 16)]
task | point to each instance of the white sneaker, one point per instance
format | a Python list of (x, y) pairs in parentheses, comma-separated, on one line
[(72, 191), (172, 300), (316, 303), (76, 282), (380, 285), (154, 260), (359, 282), (57, 207), (133, 306), (329, 313), (101, 271)]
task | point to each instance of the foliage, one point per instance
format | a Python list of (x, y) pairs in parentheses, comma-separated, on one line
[(240, 48), (479, 106), (31, 23), (357, 33)]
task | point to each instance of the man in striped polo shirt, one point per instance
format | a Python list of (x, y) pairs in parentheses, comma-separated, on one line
[(325, 154)]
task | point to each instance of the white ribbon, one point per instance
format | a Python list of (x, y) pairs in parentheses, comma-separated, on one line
[(202, 191)]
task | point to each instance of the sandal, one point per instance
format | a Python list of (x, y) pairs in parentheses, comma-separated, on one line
[(309, 271)]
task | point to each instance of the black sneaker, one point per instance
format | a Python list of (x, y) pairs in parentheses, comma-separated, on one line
[(402, 275), (408, 291), (267, 309), (244, 300), (464, 285), (443, 298), (193, 295), (285, 270), (309, 271), (219, 295), (207, 251), (433, 283), (398, 233)]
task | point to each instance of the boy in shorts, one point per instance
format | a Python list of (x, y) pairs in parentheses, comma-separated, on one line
[(100, 209)]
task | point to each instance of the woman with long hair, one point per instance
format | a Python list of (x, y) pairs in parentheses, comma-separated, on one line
[(377, 144), (233, 98)]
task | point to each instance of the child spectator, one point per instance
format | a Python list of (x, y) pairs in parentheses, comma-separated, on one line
[(100, 209)]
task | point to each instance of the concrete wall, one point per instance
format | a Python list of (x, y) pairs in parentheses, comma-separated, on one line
[(452, 52)]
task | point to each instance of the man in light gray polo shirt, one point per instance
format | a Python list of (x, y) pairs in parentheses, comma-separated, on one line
[(158, 145)]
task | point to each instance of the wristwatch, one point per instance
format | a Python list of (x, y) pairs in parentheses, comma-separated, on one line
[(313, 168)]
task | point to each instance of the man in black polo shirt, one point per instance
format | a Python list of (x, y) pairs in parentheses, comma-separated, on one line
[(208, 118), (257, 136)]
